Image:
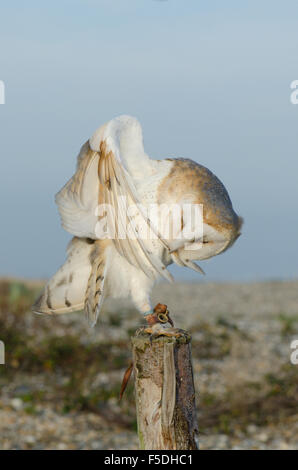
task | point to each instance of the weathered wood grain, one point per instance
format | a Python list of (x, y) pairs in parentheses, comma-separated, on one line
[(164, 389)]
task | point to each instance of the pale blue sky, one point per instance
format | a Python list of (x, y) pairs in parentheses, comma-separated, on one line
[(209, 80)]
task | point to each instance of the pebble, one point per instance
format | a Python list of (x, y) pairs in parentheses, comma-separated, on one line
[(17, 404), (263, 437), (251, 429), (30, 440)]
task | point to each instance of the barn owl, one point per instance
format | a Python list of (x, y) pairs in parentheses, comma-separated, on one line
[(108, 261)]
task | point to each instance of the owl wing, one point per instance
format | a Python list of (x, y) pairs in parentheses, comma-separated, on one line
[(102, 181), (65, 291), (78, 199)]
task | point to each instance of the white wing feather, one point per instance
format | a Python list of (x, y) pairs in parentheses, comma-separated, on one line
[(78, 199), (106, 167), (116, 183), (65, 291)]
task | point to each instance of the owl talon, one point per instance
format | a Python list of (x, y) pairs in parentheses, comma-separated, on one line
[(158, 330)]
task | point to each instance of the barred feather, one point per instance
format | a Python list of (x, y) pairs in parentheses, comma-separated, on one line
[(95, 288)]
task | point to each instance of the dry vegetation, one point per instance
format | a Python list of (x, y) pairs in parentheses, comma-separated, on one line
[(60, 383)]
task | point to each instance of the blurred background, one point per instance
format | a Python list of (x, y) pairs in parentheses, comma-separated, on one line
[(208, 81)]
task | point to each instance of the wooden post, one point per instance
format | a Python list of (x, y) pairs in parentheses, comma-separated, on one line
[(164, 389)]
